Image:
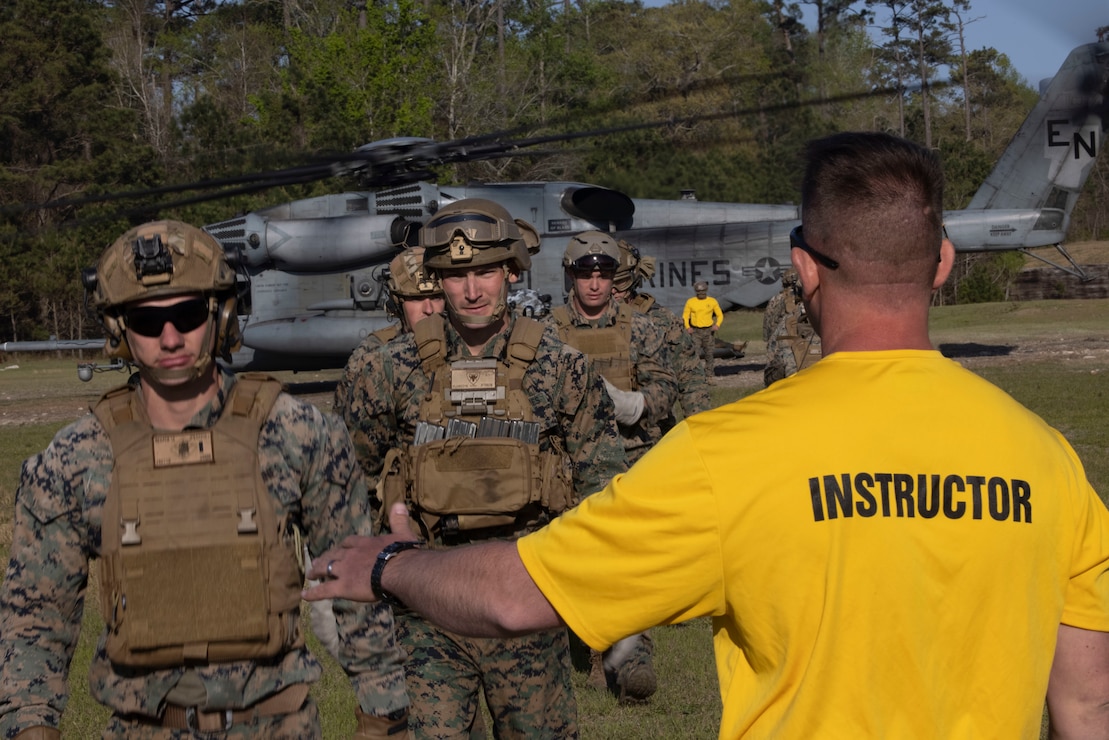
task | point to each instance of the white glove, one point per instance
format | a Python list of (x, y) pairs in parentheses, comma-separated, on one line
[(629, 404), (322, 618)]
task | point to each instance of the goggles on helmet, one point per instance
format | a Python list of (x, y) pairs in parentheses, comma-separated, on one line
[(584, 266), (186, 316), (475, 227)]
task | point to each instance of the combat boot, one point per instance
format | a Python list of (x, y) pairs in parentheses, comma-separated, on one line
[(631, 660), (597, 678)]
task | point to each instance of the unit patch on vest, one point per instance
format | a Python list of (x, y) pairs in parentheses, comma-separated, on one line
[(190, 447)]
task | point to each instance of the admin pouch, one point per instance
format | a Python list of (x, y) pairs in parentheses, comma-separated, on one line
[(608, 348), (196, 568), (496, 476)]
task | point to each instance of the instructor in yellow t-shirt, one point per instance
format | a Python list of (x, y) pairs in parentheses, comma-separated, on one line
[(933, 564), (702, 316)]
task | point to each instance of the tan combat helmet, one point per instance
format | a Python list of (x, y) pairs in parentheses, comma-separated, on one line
[(634, 268), (591, 250), (159, 259), (473, 232), (408, 279)]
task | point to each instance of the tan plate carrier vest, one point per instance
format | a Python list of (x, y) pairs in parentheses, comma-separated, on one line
[(195, 566), (608, 348), (475, 487), (642, 303)]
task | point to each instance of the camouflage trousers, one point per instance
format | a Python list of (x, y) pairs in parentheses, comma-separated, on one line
[(525, 680), (303, 723), (704, 341)]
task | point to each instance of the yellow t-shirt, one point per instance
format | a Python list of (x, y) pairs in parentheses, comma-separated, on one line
[(886, 543), (702, 312)]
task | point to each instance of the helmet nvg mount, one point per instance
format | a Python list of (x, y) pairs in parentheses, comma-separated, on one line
[(161, 259), (407, 278)]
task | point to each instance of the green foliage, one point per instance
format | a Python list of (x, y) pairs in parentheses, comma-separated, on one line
[(102, 98), (988, 278)]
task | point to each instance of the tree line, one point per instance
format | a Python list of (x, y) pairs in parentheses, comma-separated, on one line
[(103, 102)]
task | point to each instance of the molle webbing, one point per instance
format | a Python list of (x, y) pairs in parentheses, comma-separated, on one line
[(431, 344), (608, 348), (196, 568), (465, 487), (642, 303)]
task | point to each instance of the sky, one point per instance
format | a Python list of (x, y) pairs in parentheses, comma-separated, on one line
[(1036, 35)]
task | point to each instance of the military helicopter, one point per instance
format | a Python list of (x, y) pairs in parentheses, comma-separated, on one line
[(312, 269)]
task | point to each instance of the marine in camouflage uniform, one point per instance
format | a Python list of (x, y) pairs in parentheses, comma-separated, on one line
[(682, 356), (526, 680), (792, 343), (305, 460), (632, 349), (649, 389), (414, 293)]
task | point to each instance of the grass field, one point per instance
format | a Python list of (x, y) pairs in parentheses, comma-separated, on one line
[(1064, 384)]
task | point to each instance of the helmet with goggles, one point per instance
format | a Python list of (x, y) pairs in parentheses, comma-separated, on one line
[(592, 250), (157, 260), (473, 232)]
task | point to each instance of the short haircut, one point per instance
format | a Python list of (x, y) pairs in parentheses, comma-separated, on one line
[(874, 202)]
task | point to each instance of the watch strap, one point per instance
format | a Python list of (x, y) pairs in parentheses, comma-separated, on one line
[(387, 553)]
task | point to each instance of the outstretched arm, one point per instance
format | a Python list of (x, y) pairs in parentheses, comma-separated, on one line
[(1078, 690), (481, 590)]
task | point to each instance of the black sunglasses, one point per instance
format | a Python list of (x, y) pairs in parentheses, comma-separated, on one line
[(149, 321), (797, 241)]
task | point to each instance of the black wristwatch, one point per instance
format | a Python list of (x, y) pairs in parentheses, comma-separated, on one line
[(384, 557)]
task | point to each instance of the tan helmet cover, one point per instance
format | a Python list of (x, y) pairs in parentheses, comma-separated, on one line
[(160, 259), (196, 265), (592, 246), (408, 278), (700, 286), (474, 231), (634, 268)]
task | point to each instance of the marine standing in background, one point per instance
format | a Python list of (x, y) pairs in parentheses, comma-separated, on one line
[(702, 317), (414, 294), (192, 487), (487, 427), (629, 351), (626, 348), (682, 357), (792, 343)]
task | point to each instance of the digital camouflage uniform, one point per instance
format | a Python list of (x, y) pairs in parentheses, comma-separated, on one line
[(356, 363), (688, 367), (526, 680), (307, 463), (405, 278), (791, 342), (652, 379)]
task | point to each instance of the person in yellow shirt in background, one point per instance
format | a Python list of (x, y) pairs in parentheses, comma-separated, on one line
[(702, 316)]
